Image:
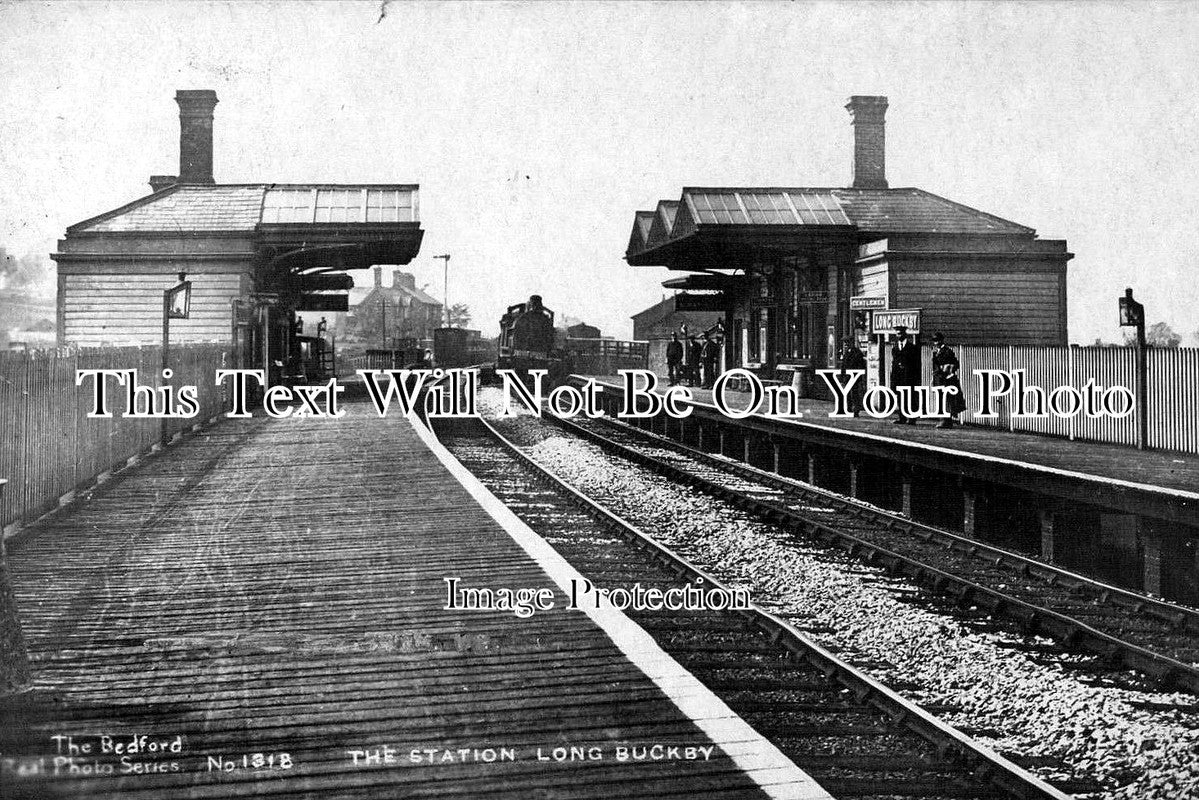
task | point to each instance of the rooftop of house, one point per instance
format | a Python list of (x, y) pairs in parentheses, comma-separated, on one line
[(362, 294)]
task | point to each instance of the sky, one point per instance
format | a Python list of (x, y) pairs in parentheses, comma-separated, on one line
[(537, 129)]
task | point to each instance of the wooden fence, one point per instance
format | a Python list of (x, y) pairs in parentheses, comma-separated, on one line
[(50, 447), (1173, 391), (606, 356)]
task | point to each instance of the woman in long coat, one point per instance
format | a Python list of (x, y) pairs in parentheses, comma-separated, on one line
[(946, 372)]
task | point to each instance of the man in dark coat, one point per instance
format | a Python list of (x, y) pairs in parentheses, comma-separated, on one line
[(905, 367), (946, 372), (852, 358), (674, 359), (709, 352), (692, 368)]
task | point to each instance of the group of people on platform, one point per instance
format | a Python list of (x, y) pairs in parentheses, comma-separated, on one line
[(692, 359), (906, 371)]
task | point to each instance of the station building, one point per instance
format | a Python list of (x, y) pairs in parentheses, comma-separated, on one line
[(255, 254), (783, 265)]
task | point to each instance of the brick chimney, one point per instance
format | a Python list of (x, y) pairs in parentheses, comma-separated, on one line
[(195, 134), (160, 182), (378, 277), (401, 278), (869, 141)]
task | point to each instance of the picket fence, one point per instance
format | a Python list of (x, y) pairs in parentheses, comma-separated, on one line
[(49, 447), (1172, 400)]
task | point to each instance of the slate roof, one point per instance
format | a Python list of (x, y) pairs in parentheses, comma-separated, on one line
[(368, 293), (870, 211), (187, 208), (203, 207), (662, 318), (918, 211)]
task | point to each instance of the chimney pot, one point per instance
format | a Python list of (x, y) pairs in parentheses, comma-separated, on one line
[(869, 141), (195, 134), (160, 182), (378, 277), (401, 278)]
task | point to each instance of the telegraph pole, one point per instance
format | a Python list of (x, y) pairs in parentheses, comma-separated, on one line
[(446, 293)]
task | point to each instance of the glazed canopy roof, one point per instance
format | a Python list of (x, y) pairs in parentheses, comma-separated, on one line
[(719, 217), (242, 207), (342, 226)]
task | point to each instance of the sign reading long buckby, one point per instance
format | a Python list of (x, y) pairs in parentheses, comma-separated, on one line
[(884, 322)]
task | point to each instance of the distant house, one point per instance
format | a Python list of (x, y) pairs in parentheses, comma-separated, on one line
[(389, 313), (656, 323), (583, 331)]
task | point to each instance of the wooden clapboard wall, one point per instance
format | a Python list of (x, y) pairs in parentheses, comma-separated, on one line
[(991, 307), (122, 305), (997, 290)]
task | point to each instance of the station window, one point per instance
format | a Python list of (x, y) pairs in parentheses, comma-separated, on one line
[(287, 205), (388, 205), (339, 205)]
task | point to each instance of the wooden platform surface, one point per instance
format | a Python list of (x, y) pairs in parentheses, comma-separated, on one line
[(271, 592)]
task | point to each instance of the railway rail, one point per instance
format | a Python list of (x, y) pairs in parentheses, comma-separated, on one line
[(1123, 628), (856, 737)]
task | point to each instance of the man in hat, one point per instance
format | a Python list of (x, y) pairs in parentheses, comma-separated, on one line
[(946, 372), (674, 359), (692, 360), (852, 358), (905, 368), (709, 351)]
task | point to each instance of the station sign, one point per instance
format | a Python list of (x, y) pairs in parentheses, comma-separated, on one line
[(326, 283), (864, 303), (265, 299), (323, 302), (884, 322)]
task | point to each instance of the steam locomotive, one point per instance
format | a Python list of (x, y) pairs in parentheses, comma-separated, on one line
[(528, 340)]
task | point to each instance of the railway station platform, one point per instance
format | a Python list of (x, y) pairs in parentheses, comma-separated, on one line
[(259, 610), (1127, 516)]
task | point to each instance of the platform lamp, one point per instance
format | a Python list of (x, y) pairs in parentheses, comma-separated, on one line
[(176, 304), (1132, 315), (446, 294)]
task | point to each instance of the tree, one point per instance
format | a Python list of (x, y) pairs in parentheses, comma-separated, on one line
[(1162, 335), (1159, 334), (459, 315)]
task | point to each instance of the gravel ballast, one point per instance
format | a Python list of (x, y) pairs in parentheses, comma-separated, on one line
[(1034, 710)]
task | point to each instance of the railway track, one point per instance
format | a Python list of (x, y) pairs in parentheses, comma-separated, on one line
[(856, 737), (1122, 628)]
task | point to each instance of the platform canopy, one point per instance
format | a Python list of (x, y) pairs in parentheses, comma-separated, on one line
[(315, 226), (716, 227), (325, 227), (705, 282), (642, 222)]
